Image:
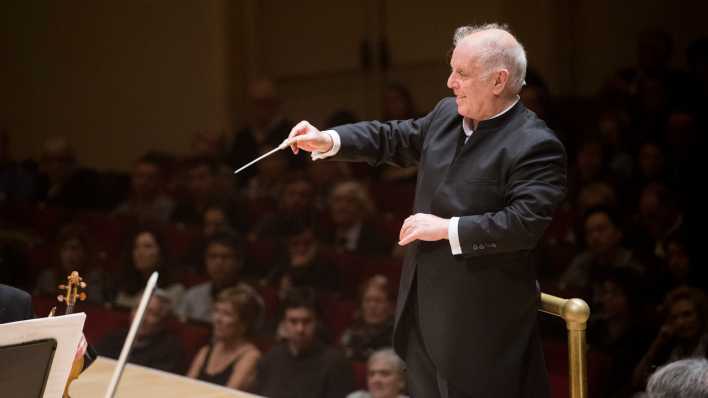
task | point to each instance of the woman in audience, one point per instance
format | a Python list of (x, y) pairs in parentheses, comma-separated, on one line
[(373, 328), (230, 359), (384, 376), (683, 335), (73, 255), (147, 254)]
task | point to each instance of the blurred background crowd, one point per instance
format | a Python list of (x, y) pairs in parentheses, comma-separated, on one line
[(295, 256)]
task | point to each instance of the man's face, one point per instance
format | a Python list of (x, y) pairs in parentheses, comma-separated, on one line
[(376, 307), (383, 379), (214, 222), (72, 255), (470, 82), (153, 319), (684, 319), (145, 179), (297, 196), (201, 181), (300, 326), (345, 207), (221, 263), (601, 234)]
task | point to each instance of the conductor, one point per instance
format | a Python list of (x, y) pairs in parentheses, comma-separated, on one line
[(490, 176)]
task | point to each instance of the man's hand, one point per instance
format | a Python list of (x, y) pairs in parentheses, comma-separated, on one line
[(307, 137), (423, 227)]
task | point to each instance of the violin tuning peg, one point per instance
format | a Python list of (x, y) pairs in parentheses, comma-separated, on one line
[(62, 287), (82, 296), (60, 298), (82, 284)]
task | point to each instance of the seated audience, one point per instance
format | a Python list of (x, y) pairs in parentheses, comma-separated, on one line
[(351, 211), (303, 366), (223, 259), (603, 238), (73, 252), (616, 329), (296, 205), (384, 376), (62, 181), (230, 359), (202, 187), (147, 202), (147, 254), (684, 333), (373, 327), (154, 345), (304, 264)]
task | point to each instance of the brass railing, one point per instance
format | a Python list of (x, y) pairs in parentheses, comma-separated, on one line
[(575, 312)]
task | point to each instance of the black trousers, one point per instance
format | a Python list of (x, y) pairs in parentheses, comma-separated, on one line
[(422, 377)]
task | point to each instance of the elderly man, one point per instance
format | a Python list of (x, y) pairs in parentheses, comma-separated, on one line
[(687, 378), (490, 176)]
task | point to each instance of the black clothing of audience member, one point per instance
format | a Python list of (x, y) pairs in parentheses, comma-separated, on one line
[(303, 366), (618, 330), (304, 263), (361, 340), (220, 378), (320, 372), (159, 351)]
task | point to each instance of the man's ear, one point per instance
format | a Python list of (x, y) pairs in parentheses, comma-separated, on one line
[(501, 79)]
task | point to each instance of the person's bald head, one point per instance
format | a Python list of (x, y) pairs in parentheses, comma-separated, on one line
[(496, 50)]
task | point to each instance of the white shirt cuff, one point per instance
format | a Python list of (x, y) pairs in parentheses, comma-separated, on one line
[(336, 144), (453, 236)]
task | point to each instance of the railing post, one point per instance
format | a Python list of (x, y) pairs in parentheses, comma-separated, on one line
[(575, 312)]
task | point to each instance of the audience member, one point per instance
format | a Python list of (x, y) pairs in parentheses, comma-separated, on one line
[(147, 201), (265, 128), (154, 345), (62, 181), (603, 238), (687, 378), (303, 366), (223, 259), (147, 254), (230, 359), (373, 327), (304, 264), (352, 212), (73, 255), (384, 376), (617, 329), (684, 333)]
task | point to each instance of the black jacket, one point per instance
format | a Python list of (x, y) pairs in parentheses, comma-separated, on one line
[(15, 305), (477, 310)]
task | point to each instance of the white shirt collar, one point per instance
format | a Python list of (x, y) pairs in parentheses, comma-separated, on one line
[(467, 123)]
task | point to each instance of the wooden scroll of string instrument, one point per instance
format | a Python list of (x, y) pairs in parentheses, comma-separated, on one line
[(71, 293)]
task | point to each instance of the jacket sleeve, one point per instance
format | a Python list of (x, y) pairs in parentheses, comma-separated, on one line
[(535, 188), (397, 142)]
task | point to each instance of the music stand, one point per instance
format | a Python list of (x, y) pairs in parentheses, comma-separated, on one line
[(26, 367), (134, 326), (36, 355)]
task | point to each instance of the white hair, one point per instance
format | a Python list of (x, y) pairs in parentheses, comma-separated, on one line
[(389, 356), (686, 378), (495, 55)]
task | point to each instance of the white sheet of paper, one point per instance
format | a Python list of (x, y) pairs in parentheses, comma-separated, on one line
[(66, 329)]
